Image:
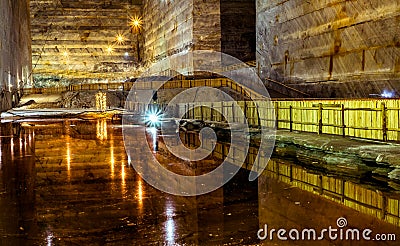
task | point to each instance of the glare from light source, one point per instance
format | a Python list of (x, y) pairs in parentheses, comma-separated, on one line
[(153, 131), (65, 54), (153, 118), (136, 22), (120, 39), (110, 49), (387, 94)]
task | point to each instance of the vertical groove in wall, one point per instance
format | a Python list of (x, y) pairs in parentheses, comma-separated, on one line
[(337, 47), (15, 51)]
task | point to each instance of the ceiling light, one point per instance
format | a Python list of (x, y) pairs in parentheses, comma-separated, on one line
[(120, 38), (136, 22), (110, 49)]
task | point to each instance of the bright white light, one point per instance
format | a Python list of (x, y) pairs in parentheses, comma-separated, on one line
[(153, 118), (126, 54), (387, 94), (49, 237), (153, 132), (170, 229)]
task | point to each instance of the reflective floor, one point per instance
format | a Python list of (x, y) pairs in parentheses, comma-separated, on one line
[(68, 182)]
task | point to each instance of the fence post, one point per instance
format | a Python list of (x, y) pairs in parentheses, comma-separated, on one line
[(258, 116), (212, 112), (277, 115), (222, 110), (233, 112), (291, 118), (343, 195), (384, 207), (384, 122), (245, 112), (320, 118), (321, 187), (343, 122), (277, 170)]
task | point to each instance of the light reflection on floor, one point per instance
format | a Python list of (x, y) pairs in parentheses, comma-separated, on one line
[(70, 183), (83, 192)]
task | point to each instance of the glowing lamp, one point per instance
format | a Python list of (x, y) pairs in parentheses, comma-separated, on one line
[(120, 39), (110, 49), (153, 118), (387, 94), (136, 22)]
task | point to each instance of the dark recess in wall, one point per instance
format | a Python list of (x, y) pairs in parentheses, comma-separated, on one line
[(238, 28)]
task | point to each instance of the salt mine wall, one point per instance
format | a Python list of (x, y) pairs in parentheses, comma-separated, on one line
[(167, 28), (172, 27), (76, 41), (207, 25), (331, 48), (15, 51)]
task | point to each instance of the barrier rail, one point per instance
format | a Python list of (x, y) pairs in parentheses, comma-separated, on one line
[(377, 119), (382, 205), (369, 119), (150, 85)]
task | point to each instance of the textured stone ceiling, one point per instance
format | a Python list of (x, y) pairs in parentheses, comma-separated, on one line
[(70, 39)]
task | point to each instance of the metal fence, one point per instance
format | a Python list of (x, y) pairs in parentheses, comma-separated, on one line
[(376, 119), (148, 85), (369, 118), (382, 205)]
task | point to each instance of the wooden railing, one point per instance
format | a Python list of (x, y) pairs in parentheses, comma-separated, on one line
[(285, 89), (341, 190), (150, 85), (369, 119), (368, 200)]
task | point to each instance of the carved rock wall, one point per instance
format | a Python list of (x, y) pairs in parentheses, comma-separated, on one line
[(168, 28), (171, 27), (331, 48), (15, 51), (76, 41)]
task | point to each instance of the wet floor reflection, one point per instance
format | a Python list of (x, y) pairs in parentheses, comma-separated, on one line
[(285, 206), (17, 184), (170, 223), (70, 183)]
